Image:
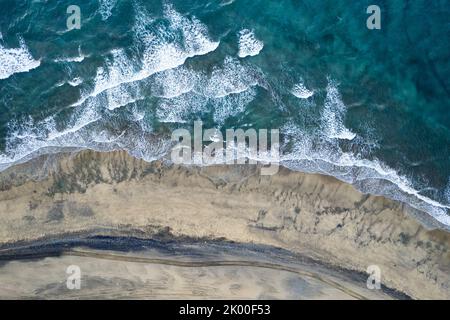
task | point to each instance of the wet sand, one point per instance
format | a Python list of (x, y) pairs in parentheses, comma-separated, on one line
[(180, 268)]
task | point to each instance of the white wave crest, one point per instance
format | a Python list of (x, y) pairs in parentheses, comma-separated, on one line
[(333, 115), (86, 128), (174, 82), (158, 53), (16, 60), (75, 82), (232, 105), (106, 7), (231, 77), (299, 90), (447, 191), (79, 58), (116, 70), (248, 44), (227, 90), (122, 95), (191, 39), (178, 109)]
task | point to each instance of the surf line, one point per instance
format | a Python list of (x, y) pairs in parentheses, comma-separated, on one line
[(240, 147)]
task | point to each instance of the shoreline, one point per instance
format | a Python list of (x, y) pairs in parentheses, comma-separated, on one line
[(313, 215), (426, 218)]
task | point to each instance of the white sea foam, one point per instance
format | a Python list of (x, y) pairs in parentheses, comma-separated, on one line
[(79, 58), (447, 192), (231, 105), (228, 89), (225, 3), (122, 95), (174, 82), (85, 129), (16, 60), (300, 91), (178, 109), (333, 115), (159, 54), (185, 107), (116, 85), (70, 59), (137, 115), (248, 44), (232, 77), (191, 36), (117, 69), (109, 81), (106, 7), (75, 82), (80, 119)]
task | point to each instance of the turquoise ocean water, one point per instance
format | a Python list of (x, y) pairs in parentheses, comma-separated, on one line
[(370, 107)]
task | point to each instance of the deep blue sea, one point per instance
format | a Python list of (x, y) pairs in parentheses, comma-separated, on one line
[(370, 107)]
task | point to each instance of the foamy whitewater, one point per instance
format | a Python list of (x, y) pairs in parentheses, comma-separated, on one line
[(156, 67), (16, 60), (248, 44)]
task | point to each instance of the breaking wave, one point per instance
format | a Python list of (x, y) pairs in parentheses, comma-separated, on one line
[(248, 44), (16, 60)]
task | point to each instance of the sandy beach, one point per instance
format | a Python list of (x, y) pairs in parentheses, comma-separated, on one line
[(315, 216)]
